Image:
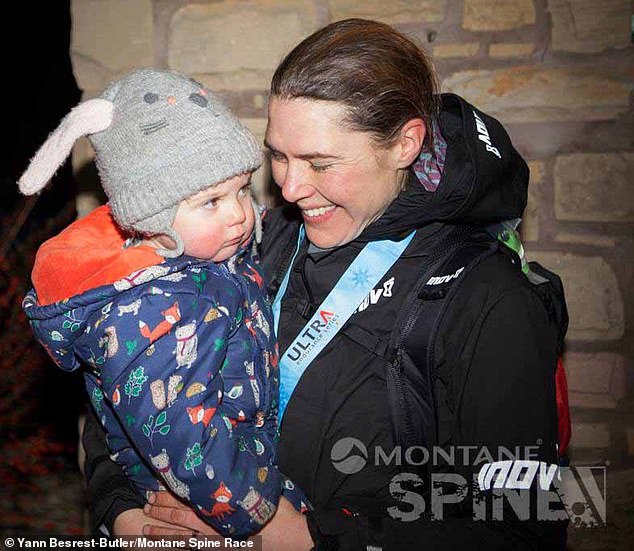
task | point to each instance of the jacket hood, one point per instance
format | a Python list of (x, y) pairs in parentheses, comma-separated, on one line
[(483, 178), (89, 253)]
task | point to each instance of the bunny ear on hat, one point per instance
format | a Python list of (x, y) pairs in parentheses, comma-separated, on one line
[(88, 117)]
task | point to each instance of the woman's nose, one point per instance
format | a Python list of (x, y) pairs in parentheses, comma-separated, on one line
[(294, 184)]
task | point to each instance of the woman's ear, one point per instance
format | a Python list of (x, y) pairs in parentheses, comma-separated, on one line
[(409, 142)]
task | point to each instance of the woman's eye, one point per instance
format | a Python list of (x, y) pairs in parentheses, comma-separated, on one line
[(277, 157), (244, 190), (210, 203)]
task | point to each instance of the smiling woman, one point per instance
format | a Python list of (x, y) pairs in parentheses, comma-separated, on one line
[(389, 189)]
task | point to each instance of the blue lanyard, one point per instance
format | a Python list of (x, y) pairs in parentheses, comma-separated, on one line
[(367, 269)]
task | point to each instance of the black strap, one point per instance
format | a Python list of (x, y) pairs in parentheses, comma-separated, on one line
[(438, 258), (411, 376)]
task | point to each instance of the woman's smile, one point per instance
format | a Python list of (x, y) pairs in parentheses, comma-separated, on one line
[(317, 213)]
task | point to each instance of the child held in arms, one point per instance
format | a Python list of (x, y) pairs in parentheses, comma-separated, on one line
[(157, 297)]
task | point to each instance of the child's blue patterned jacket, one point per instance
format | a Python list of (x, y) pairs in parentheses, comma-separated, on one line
[(181, 367)]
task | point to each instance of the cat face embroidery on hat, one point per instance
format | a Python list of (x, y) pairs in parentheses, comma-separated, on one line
[(151, 100), (197, 97)]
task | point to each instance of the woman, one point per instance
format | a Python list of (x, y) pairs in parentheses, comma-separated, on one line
[(365, 152)]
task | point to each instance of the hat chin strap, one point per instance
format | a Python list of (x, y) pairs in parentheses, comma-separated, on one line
[(157, 224), (178, 249)]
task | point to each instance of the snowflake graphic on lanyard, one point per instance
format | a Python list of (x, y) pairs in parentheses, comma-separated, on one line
[(361, 277)]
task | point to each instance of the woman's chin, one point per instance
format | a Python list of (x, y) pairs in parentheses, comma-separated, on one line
[(331, 229), (327, 238)]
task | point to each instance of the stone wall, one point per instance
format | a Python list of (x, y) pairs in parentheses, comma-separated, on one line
[(557, 73)]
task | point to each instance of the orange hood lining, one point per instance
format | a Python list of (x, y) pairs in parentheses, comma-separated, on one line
[(87, 254)]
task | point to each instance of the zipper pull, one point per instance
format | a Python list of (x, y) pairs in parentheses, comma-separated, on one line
[(398, 358)]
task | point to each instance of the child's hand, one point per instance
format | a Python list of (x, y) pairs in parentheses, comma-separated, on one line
[(166, 516)]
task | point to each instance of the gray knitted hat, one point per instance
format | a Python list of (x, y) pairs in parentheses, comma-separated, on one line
[(159, 138)]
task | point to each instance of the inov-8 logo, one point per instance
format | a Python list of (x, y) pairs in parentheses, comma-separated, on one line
[(581, 493)]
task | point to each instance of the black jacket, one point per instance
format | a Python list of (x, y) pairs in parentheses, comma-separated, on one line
[(495, 354)]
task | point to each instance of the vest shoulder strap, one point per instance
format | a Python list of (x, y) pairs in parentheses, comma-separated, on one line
[(410, 377)]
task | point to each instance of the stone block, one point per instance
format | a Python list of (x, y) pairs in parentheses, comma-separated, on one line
[(592, 293), (458, 49), (109, 38), (236, 81), (530, 93), (588, 26), (590, 435), (82, 154), (537, 170), (395, 11), (595, 380), (592, 239), (595, 187), (529, 228), (258, 101), (497, 15), (511, 49), (237, 45), (89, 74)]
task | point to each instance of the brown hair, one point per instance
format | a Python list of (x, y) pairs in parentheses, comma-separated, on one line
[(382, 77)]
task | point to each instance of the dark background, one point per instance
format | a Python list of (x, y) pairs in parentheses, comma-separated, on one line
[(39, 404)]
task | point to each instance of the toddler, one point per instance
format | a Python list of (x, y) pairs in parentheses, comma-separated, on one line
[(157, 297)]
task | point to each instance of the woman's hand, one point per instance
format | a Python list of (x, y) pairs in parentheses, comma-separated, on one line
[(166, 516), (287, 530), (133, 522)]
